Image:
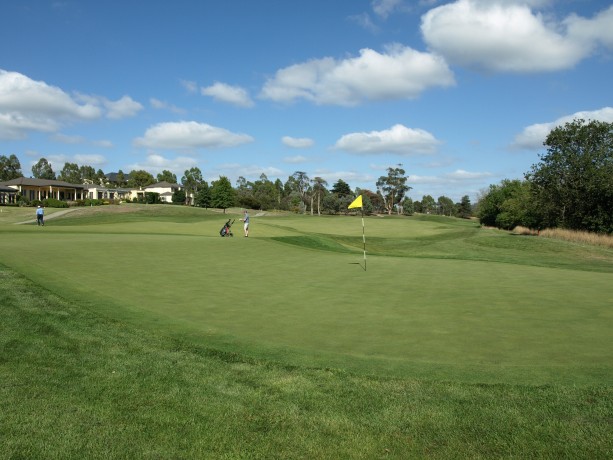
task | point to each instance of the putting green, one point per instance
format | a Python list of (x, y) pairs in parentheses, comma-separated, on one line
[(439, 298)]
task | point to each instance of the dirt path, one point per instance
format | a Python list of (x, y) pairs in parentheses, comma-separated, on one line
[(48, 216)]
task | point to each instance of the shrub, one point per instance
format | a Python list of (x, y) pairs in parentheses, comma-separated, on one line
[(53, 203)]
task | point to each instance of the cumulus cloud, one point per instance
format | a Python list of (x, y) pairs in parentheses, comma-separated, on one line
[(533, 136), (122, 108), (399, 72), (596, 30), (297, 142), (189, 135), (29, 105), (156, 163), (162, 105), (504, 36), (223, 92), (398, 140)]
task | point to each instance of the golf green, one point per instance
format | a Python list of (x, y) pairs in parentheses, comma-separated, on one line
[(438, 298)]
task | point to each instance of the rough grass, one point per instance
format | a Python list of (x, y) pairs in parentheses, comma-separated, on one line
[(595, 239)]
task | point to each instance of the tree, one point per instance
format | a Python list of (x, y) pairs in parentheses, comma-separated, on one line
[(178, 196), (191, 180), (408, 207), (167, 176), (222, 194), (428, 205), (88, 174), (121, 181), (43, 170), (10, 168), (392, 187), (70, 173), (138, 179), (341, 188), (203, 197), (297, 185), (319, 189), (446, 206), (508, 205), (573, 182), (464, 208)]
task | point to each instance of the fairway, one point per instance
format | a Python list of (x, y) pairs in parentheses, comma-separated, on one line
[(441, 298)]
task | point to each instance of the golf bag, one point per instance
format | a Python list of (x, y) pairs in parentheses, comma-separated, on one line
[(225, 230)]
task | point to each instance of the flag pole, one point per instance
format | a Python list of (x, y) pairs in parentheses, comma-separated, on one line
[(363, 237), (357, 203)]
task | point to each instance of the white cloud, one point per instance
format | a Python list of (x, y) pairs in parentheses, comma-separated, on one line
[(398, 140), (162, 105), (598, 30), (384, 8), (29, 105), (122, 108), (400, 72), (103, 143), (223, 92), (190, 86), (89, 160), (189, 135), (533, 136), (156, 163), (296, 159), (297, 142), (66, 139), (249, 172), (501, 36)]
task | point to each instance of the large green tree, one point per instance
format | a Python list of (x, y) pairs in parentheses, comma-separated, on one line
[(222, 194), (43, 170), (139, 178), (167, 176), (70, 173), (507, 205), (392, 187), (10, 168), (191, 180), (573, 182)]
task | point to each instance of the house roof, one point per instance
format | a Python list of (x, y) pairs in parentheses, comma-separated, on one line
[(164, 184), (41, 182)]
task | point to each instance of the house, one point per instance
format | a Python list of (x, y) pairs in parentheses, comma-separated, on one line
[(164, 189), (41, 189), (101, 192), (7, 194)]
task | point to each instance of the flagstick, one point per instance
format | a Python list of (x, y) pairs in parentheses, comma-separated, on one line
[(363, 237)]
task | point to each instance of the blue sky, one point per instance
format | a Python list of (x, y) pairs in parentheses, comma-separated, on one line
[(461, 93)]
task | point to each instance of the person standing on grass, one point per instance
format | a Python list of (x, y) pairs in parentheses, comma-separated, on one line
[(40, 216), (245, 219)]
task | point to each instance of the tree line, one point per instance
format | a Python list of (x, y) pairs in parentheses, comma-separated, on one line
[(299, 193), (570, 187)]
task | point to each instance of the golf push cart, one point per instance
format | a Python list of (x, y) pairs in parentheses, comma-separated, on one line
[(226, 230)]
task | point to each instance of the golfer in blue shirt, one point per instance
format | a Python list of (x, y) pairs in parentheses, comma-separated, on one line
[(40, 216)]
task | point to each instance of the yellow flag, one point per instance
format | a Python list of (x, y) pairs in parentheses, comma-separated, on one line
[(357, 203)]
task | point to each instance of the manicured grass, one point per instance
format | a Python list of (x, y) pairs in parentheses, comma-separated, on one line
[(441, 298), (142, 333), (78, 385)]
